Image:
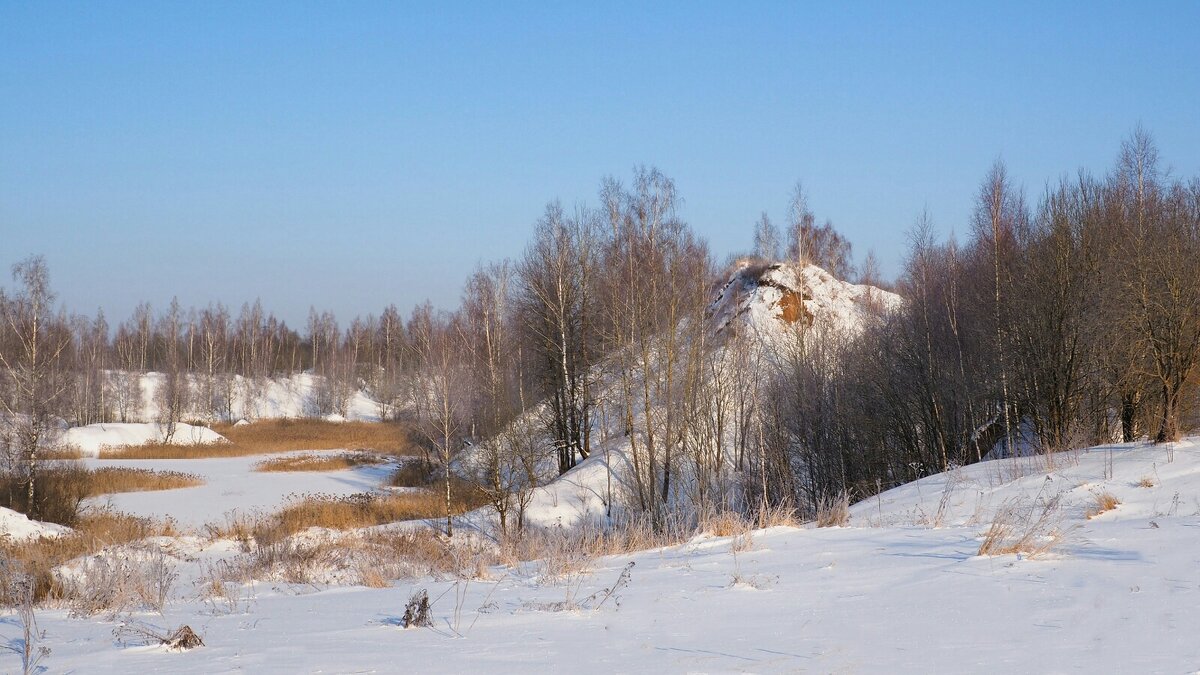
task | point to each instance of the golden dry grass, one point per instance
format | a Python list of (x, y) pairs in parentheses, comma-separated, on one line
[(365, 510), (112, 479), (326, 462), (1146, 482), (304, 434), (38, 557), (1104, 501), (64, 452), (726, 523), (282, 435)]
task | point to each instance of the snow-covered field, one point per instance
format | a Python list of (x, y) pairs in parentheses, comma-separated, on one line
[(891, 592)]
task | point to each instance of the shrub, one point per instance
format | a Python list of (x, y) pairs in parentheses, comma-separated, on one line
[(1030, 531), (1103, 501), (416, 612), (833, 510)]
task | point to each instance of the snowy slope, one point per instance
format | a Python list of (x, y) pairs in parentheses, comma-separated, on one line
[(90, 439), (1118, 594), (258, 399)]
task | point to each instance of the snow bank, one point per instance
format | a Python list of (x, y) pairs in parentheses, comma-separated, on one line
[(251, 399), (92, 438), (18, 527)]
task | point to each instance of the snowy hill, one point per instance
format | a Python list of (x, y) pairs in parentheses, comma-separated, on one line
[(760, 303)]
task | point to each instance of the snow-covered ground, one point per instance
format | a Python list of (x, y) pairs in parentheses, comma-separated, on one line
[(18, 527), (888, 593)]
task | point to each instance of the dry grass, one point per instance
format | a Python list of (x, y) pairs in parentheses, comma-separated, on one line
[(303, 434), (364, 510), (61, 452), (1103, 501), (1028, 531), (725, 523), (283, 435), (112, 479), (833, 510), (326, 462), (93, 532), (1146, 482)]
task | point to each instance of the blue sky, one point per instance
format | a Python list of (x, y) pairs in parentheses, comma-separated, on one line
[(351, 155)]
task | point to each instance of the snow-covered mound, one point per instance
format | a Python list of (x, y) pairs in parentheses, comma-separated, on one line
[(90, 439), (770, 300), (18, 527)]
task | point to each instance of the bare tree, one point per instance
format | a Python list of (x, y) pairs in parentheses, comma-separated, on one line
[(33, 371), (440, 391)]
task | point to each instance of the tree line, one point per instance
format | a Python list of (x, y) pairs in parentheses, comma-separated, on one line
[(1071, 322)]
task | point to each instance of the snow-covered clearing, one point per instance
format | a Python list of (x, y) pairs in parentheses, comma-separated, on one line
[(890, 593)]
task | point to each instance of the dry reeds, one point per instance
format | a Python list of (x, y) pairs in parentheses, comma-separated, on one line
[(833, 510), (314, 462), (281, 435), (38, 558), (307, 434), (1029, 531), (364, 510), (113, 479)]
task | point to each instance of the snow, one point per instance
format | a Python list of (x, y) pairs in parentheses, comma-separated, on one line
[(251, 399), (18, 527), (91, 439), (232, 487), (888, 593), (752, 298)]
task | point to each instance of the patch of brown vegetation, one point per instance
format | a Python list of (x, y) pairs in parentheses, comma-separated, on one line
[(365, 510), (1104, 501), (328, 462), (113, 479), (37, 558), (62, 452), (1029, 531), (833, 510), (282, 435)]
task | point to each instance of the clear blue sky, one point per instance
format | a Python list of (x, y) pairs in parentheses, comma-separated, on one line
[(349, 155)]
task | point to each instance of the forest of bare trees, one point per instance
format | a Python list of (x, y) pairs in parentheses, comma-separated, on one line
[(1058, 324)]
